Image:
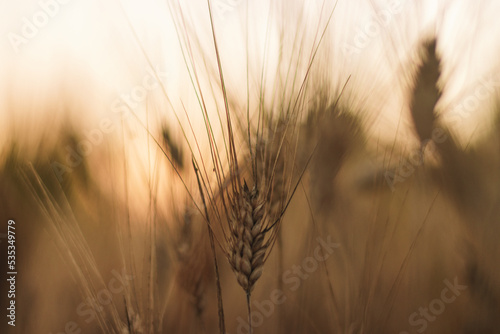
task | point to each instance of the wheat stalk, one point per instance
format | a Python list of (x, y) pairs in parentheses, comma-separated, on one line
[(247, 246), (193, 252), (426, 93)]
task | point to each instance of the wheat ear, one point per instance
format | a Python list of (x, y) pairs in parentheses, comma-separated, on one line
[(426, 93), (247, 246)]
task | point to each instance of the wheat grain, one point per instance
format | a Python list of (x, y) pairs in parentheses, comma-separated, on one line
[(247, 245)]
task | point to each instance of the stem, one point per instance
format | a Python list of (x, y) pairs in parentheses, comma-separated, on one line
[(281, 269), (220, 306), (249, 313)]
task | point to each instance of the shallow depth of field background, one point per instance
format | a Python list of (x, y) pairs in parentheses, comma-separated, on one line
[(84, 92)]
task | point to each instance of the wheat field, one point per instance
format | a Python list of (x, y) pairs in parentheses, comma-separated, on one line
[(233, 166)]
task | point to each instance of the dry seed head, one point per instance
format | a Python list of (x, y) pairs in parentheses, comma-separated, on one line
[(194, 258), (426, 93), (247, 246), (270, 156), (276, 174), (254, 212)]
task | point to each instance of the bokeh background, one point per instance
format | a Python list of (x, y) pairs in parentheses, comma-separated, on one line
[(95, 95)]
